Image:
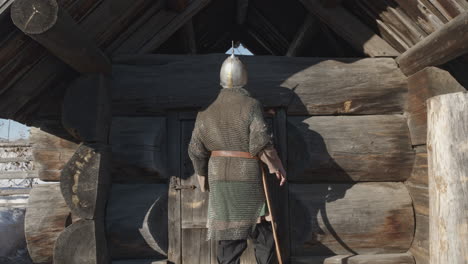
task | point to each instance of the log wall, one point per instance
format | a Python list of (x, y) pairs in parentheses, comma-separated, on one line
[(349, 165)]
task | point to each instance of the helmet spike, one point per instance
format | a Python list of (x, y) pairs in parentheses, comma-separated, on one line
[(232, 53)]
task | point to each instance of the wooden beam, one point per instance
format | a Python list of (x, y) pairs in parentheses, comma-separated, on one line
[(33, 70), (159, 28), (177, 5), (4, 5), (303, 36), (266, 33), (320, 150), (55, 29), (242, 8), (306, 86), (422, 85), (351, 29), (189, 40), (441, 46), (336, 47), (448, 174)]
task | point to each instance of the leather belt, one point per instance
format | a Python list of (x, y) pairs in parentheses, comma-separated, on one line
[(230, 153)]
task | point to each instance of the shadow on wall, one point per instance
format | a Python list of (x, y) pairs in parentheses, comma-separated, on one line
[(306, 229), (308, 154)]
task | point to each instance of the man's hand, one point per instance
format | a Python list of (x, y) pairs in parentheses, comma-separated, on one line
[(281, 175)]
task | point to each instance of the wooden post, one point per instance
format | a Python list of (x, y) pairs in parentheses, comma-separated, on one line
[(448, 177), (441, 46), (55, 29)]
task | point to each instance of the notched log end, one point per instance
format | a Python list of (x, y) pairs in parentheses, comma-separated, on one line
[(34, 17)]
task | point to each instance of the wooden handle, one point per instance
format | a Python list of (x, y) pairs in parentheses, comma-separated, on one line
[(273, 223)]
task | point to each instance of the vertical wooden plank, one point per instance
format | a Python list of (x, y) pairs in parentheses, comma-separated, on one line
[(194, 203), (174, 224), (447, 127), (196, 249)]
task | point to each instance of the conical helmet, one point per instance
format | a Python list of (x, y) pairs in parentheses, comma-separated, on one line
[(233, 73)]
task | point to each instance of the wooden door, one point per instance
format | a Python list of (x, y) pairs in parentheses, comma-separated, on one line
[(188, 206)]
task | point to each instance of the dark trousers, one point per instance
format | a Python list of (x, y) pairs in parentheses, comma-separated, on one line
[(230, 251)]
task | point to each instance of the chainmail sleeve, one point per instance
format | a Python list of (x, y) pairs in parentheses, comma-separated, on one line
[(259, 134), (198, 152)]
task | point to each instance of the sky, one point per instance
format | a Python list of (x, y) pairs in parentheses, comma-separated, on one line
[(241, 50), (11, 130)]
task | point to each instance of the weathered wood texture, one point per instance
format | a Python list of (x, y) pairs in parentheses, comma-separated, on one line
[(158, 29), (47, 215), (139, 144), (351, 29), (420, 246), (174, 253), (347, 149), (136, 221), (403, 258), (329, 219), (88, 240), (417, 184), (448, 177), (443, 45), (102, 20), (85, 181), (422, 85), (55, 29), (51, 152), (154, 83), (419, 173), (86, 113)]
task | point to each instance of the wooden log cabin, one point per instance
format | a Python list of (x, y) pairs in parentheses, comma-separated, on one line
[(112, 87)]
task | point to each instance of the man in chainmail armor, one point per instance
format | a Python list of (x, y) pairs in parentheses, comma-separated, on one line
[(229, 138)]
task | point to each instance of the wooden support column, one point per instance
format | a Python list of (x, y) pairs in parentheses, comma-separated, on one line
[(85, 180), (448, 177), (50, 25), (441, 46), (351, 29)]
